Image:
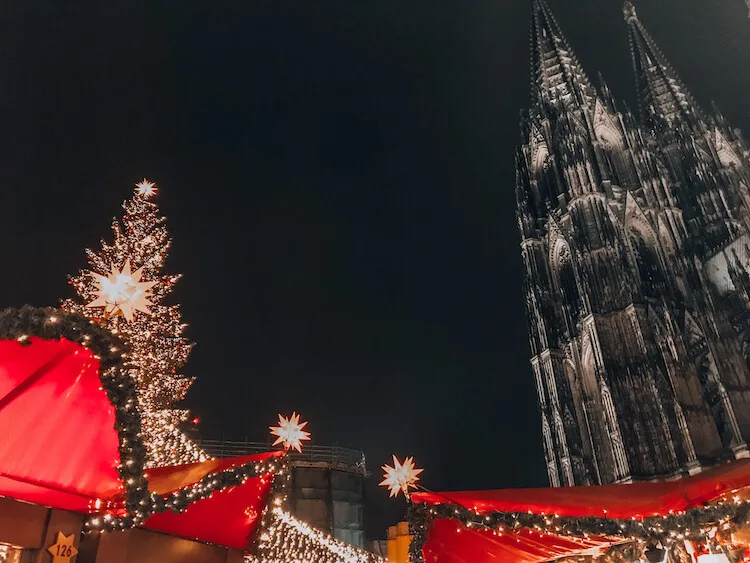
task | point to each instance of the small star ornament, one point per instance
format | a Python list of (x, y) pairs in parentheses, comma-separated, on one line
[(146, 189), (290, 432), (400, 477), (63, 550), (122, 292)]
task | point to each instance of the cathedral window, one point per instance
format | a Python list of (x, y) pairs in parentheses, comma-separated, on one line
[(539, 386), (561, 438), (613, 147), (567, 471), (649, 266), (554, 479), (618, 448), (548, 445), (565, 279)]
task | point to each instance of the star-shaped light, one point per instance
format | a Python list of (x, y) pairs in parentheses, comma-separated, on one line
[(401, 476), (122, 292), (290, 432), (146, 189), (63, 550)]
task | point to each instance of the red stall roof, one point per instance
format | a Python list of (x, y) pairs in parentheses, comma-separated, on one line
[(58, 445), (229, 517), (454, 543)]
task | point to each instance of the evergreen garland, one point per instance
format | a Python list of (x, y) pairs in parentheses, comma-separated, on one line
[(694, 524), (48, 323)]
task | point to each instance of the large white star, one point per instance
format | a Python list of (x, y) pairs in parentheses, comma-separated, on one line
[(290, 433), (401, 476), (146, 189), (122, 292)]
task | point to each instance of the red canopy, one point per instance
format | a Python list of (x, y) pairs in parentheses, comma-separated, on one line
[(58, 445), (454, 543), (229, 517), (449, 542)]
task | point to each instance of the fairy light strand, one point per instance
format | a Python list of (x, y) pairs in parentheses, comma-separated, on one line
[(287, 538), (159, 347), (696, 524), (53, 324)]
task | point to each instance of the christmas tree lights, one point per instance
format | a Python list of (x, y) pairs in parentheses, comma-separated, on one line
[(131, 306), (280, 537)]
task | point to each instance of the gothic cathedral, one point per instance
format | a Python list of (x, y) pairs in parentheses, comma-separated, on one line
[(636, 252)]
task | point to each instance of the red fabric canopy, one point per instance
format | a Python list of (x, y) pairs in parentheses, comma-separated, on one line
[(451, 542), (58, 445), (229, 517)]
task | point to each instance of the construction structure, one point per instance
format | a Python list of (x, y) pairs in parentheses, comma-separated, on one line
[(327, 489)]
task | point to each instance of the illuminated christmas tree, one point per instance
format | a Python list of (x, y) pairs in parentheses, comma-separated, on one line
[(123, 290)]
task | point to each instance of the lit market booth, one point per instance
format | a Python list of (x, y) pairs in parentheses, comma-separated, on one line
[(72, 480), (703, 516)]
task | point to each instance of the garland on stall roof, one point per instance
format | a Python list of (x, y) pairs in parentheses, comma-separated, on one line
[(277, 498), (420, 519), (282, 537), (279, 531), (54, 324), (694, 524), (289, 539), (181, 499)]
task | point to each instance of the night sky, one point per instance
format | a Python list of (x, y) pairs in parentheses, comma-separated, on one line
[(338, 179)]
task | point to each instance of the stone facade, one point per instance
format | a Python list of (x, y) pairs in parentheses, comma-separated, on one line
[(636, 254)]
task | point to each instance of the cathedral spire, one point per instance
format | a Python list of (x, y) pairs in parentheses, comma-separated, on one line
[(557, 76), (662, 95)]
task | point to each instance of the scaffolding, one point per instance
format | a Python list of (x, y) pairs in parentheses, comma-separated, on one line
[(327, 489)]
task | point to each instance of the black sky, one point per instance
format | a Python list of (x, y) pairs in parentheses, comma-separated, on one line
[(338, 179)]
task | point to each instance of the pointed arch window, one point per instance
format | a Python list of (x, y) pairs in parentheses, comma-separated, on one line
[(565, 278), (547, 435), (618, 448), (613, 149), (562, 440), (647, 261), (567, 471), (549, 451), (554, 478)]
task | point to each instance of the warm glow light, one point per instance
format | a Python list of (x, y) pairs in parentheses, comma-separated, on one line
[(136, 312), (290, 432), (290, 539), (122, 292), (146, 189), (400, 477)]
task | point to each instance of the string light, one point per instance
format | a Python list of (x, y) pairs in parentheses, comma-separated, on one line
[(288, 539), (158, 347), (8, 553), (282, 537), (179, 500), (697, 524), (27, 322)]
